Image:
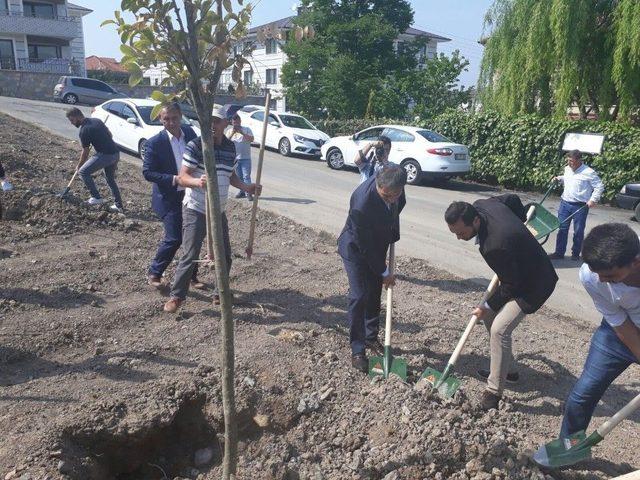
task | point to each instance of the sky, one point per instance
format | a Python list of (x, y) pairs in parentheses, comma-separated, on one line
[(460, 20)]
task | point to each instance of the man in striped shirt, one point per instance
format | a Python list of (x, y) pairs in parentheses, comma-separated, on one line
[(194, 229)]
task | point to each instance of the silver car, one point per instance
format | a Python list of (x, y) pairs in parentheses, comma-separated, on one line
[(74, 90)]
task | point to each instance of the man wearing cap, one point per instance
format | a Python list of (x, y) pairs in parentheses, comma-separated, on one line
[(194, 229), (582, 190)]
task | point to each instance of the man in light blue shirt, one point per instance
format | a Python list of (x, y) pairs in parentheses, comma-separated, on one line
[(242, 137), (370, 164), (582, 190)]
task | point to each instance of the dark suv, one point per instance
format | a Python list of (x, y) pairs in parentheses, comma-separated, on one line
[(629, 198), (74, 90)]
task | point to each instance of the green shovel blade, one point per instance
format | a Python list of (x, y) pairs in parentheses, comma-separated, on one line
[(446, 388), (397, 366), (562, 452)]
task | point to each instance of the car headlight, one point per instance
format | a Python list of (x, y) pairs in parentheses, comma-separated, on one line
[(623, 190), (300, 139)]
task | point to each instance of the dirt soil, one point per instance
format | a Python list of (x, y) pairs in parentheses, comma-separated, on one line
[(96, 382)]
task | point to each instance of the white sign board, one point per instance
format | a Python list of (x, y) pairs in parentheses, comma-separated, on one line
[(585, 142)]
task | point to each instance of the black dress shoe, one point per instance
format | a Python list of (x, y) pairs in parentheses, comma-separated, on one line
[(359, 361), (511, 377), (375, 346)]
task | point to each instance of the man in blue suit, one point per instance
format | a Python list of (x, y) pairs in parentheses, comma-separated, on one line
[(372, 225), (161, 164)]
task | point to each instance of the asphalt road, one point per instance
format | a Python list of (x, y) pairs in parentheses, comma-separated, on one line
[(310, 193)]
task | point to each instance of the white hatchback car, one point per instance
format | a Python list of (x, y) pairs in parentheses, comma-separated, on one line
[(288, 132), (129, 121), (423, 153)]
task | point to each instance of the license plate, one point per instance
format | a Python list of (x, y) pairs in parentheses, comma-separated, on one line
[(461, 156)]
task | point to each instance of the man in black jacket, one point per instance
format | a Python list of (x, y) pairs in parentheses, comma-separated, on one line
[(526, 275), (372, 225)]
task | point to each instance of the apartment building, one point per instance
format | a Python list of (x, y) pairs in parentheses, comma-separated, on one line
[(42, 36)]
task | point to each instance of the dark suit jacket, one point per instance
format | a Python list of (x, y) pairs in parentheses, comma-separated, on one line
[(159, 167), (370, 227), (525, 272)]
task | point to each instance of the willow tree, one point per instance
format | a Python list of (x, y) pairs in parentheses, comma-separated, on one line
[(193, 40), (546, 55)]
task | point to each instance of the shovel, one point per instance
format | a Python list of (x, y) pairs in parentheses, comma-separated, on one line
[(68, 188), (254, 206), (387, 364), (446, 384), (577, 447)]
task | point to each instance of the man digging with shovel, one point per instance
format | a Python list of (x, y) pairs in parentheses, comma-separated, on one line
[(525, 273), (611, 276), (372, 225)]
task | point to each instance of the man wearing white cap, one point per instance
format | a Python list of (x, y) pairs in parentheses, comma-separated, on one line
[(194, 229)]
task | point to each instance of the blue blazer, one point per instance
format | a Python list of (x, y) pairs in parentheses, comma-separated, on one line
[(370, 227), (159, 167)]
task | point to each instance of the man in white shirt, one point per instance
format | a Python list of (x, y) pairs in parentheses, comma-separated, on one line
[(611, 276), (161, 164), (582, 190), (242, 137)]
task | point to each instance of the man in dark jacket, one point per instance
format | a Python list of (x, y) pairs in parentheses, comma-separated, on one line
[(161, 164), (372, 225), (527, 278)]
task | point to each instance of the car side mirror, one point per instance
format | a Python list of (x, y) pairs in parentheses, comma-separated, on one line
[(132, 121)]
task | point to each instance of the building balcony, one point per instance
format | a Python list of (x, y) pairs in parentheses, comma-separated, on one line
[(15, 22), (63, 66)]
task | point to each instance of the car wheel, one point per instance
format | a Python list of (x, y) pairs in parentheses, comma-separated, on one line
[(285, 147), (414, 172), (637, 210), (335, 159), (70, 98), (142, 147)]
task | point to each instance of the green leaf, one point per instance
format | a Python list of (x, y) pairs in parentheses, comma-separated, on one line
[(108, 22), (158, 96), (156, 110), (227, 5), (128, 51)]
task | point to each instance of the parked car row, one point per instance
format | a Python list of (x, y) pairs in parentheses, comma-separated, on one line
[(629, 198)]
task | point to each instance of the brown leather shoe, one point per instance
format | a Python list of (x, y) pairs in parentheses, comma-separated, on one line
[(489, 400), (197, 284), (173, 305), (154, 281)]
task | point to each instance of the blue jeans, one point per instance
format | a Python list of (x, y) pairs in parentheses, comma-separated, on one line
[(99, 161), (365, 287), (243, 169), (608, 357), (579, 222)]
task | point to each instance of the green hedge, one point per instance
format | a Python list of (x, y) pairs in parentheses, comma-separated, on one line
[(523, 152), (335, 128)]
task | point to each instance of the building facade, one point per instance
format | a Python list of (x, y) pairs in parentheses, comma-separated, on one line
[(267, 58), (42, 36)]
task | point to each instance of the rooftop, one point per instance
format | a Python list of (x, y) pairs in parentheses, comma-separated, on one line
[(287, 22)]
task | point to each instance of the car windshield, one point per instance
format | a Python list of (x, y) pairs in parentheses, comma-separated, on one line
[(145, 114), (295, 121), (433, 136)]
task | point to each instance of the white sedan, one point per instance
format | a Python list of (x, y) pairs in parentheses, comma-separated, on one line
[(129, 121), (423, 153), (289, 133)]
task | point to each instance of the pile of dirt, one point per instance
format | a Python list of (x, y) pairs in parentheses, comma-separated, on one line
[(97, 382)]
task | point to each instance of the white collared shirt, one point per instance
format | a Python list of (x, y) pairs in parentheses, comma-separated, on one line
[(615, 301), (582, 185), (178, 145)]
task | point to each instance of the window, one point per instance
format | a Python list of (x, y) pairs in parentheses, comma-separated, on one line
[(115, 108), (103, 87), (44, 52), (4, 6), (295, 121), (433, 136), (271, 46), (369, 135), (272, 76), (7, 59), (258, 116), (273, 120), (127, 112), (396, 135), (36, 9), (248, 77)]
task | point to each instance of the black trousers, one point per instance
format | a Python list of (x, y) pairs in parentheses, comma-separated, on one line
[(1, 171), (365, 287)]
